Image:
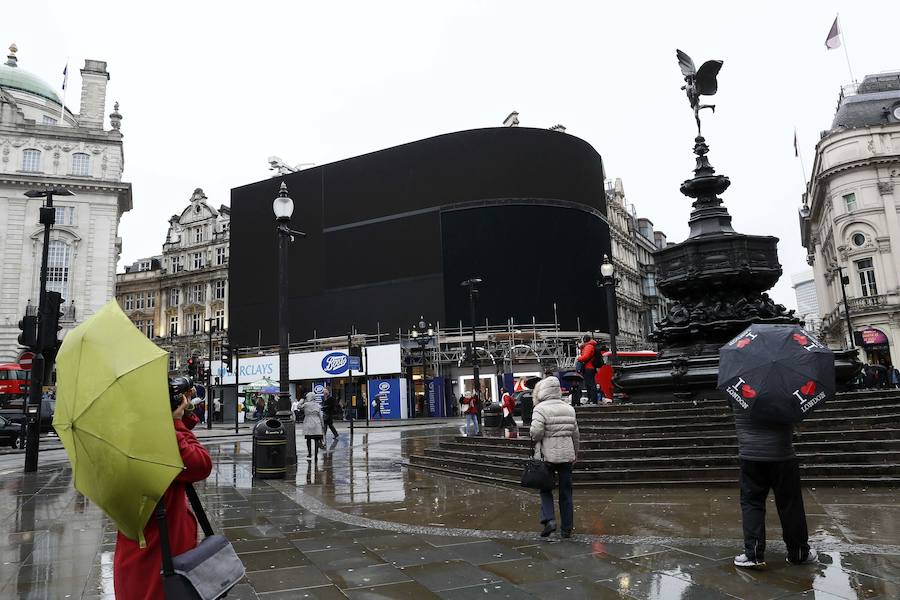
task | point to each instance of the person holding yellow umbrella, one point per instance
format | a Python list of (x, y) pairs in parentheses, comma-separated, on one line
[(128, 438)]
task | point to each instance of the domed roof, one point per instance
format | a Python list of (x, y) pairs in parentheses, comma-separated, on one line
[(13, 77)]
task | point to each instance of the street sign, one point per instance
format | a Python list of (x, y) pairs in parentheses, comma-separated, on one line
[(25, 360), (355, 363)]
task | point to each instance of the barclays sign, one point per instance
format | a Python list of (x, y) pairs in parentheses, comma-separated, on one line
[(335, 363)]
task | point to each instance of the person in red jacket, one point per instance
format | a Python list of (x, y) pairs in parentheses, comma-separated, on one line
[(509, 406), (588, 359), (136, 570)]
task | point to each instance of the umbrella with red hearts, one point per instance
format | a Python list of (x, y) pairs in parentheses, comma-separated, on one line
[(777, 373)]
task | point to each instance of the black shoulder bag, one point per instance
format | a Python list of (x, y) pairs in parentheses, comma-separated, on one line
[(537, 474), (206, 572)]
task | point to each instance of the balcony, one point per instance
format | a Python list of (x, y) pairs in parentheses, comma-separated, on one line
[(857, 306)]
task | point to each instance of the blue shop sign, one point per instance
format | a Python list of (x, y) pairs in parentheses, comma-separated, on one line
[(384, 399)]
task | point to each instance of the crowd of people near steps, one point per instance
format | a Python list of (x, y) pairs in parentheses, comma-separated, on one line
[(765, 453)]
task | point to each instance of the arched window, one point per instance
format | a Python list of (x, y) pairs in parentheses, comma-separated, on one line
[(59, 259), (81, 164), (31, 160)]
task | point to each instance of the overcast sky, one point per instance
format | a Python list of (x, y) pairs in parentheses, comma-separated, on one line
[(209, 90)]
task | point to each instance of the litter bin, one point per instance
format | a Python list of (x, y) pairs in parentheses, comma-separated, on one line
[(526, 406), (269, 450), (492, 415)]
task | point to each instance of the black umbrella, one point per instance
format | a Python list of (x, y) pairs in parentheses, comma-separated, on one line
[(777, 373)]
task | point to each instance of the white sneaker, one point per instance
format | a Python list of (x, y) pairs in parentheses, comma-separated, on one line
[(743, 561), (811, 559)]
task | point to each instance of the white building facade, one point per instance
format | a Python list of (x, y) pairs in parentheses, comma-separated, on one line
[(43, 144), (850, 223), (804, 284)]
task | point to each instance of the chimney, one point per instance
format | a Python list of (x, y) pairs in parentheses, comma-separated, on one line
[(93, 94)]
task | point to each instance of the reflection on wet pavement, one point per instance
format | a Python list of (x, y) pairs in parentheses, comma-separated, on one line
[(359, 524)]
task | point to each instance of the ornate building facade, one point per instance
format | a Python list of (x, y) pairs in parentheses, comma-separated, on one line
[(850, 223), (639, 303), (177, 296), (43, 144)]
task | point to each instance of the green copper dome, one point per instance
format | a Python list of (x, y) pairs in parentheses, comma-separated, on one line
[(19, 79)]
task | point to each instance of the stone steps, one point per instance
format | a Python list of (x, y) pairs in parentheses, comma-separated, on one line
[(854, 440)]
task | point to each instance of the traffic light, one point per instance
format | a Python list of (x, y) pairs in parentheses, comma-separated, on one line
[(192, 366), (50, 327), (29, 335), (201, 370), (227, 357)]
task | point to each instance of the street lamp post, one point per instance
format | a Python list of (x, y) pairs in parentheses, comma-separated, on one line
[(836, 268), (211, 328), (40, 367), (422, 333), (283, 207), (608, 271), (473, 284)]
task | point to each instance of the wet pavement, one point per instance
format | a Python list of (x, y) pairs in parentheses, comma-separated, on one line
[(359, 524)]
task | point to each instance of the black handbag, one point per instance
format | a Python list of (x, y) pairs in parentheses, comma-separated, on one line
[(537, 474), (206, 572)]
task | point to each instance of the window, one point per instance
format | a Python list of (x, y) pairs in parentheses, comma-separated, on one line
[(858, 239), (148, 328), (198, 293), (173, 325), (866, 271), (196, 323), (48, 121), (198, 235), (151, 300), (58, 259), (220, 320), (139, 302), (850, 202), (220, 290), (221, 259), (129, 302), (65, 215), (81, 164), (177, 264), (31, 160), (174, 297), (145, 265), (139, 325), (173, 364), (198, 260)]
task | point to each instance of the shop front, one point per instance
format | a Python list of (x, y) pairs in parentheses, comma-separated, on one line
[(876, 344)]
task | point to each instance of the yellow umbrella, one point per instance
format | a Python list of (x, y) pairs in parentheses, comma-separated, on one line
[(114, 419)]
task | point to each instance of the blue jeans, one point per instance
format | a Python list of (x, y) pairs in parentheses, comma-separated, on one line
[(566, 510), (473, 419)]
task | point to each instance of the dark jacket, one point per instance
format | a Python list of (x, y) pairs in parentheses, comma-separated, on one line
[(763, 441)]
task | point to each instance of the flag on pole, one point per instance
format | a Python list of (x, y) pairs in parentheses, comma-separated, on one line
[(834, 36), (65, 75), (796, 146)]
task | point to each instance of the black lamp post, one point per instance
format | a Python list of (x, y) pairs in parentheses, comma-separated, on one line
[(422, 333), (283, 207), (608, 271), (211, 329), (836, 268), (473, 284), (40, 367)]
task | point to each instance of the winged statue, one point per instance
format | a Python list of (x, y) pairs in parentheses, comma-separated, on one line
[(699, 82)]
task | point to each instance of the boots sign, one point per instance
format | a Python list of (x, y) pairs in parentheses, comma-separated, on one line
[(383, 360)]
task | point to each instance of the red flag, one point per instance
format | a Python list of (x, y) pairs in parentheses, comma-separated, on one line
[(834, 36)]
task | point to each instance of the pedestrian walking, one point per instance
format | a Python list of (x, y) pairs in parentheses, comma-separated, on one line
[(136, 570), (768, 462), (295, 408), (329, 407), (554, 430), (895, 377), (590, 361), (376, 407), (313, 426), (508, 405), (470, 408)]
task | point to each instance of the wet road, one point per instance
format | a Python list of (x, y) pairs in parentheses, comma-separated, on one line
[(358, 524)]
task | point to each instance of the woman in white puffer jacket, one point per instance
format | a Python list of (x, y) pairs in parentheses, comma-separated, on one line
[(554, 430)]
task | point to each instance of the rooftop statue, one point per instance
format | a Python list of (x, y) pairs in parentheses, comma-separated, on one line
[(699, 82)]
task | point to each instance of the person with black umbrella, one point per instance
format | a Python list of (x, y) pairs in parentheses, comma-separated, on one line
[(774, 375)]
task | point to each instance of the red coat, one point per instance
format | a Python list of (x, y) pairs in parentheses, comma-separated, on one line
[(471, 405), (587, 354), (509, 403), (136, 570)]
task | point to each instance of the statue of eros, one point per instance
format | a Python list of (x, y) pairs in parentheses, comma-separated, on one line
[(699, 82)]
